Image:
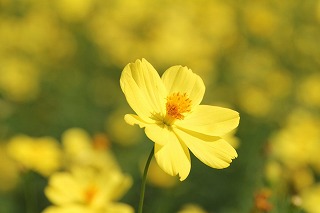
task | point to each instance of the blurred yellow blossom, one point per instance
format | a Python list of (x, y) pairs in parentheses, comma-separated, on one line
[(212, 23), (9, 171), (169, 109), (115, 128), (158, 177), (297, 144), (309, 91), (74, 10), (191, 208), (19, 79), (260, 19), (37, 35), (273, 172), (302, 178), (85, 190), (42, 155), (250, 96), (81, 150), (260, 72), (310, 199)]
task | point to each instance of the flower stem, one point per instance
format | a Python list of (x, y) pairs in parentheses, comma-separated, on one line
[(144, 178)]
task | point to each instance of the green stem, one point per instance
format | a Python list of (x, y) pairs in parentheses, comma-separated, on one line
[(30, 200), (144, 178)]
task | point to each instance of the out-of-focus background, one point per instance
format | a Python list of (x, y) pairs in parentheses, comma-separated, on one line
[(61, 106)]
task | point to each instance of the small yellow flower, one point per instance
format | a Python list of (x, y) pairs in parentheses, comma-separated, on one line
[(169, 109), (310, 199), (192, 208), (42, 155), (81, 150), (86, 190)]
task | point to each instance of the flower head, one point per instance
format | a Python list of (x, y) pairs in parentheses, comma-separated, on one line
[(86, 190), (42, 155), (169, 109)]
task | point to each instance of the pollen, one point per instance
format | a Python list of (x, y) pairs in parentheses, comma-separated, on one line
[(178, 104)]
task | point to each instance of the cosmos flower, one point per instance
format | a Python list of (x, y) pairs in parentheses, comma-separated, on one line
[(85, 190), (169, 109), (42, 155)]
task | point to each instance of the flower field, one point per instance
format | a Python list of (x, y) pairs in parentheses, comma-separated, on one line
[(77, 75)]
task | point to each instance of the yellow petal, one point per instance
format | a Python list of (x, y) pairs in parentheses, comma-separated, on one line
[(212, 151), (173, 157), (119, 208), (143, 89), (160, 134), (210, 120), (71, 208), (183, 80), (134, 119), (63, 189)]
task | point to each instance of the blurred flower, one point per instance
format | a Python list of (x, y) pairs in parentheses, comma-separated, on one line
[(310, 199), (298, 143), (250, 96), (260, 19), (191, 208), (309, 91), (169, 110), (37, 35), (74, 10), (273, 172), (256, 81), (42, 155), (191, 33), (115, 129), (302, 178), (261, 201), (9, 171), (19, 79), (158, 177), (81, 150), (85, 190)]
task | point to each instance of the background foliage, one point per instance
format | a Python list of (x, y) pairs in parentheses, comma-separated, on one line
[(60, 64)]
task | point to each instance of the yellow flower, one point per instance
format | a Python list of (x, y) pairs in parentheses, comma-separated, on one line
[(169, 109), (310, 199), (9, 171), (86, 190), (192, 208), (42, 155), (81, 150)]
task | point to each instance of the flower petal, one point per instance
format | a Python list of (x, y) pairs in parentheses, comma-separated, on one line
[(158, 133), (118, 208), (183, 80), (63, 189), (210, 120), (69, 208), (143, 89), (173, 157), (134, 119), (212, 151)]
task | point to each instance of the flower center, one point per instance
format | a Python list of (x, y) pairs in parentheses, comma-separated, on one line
[(90, 193), (177, 104)]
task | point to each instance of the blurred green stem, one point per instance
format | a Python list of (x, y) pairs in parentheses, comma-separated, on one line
[(30, 200), (144, 178)]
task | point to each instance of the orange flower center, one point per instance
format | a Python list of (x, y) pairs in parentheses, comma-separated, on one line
[(177, 104), (90, 193)]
